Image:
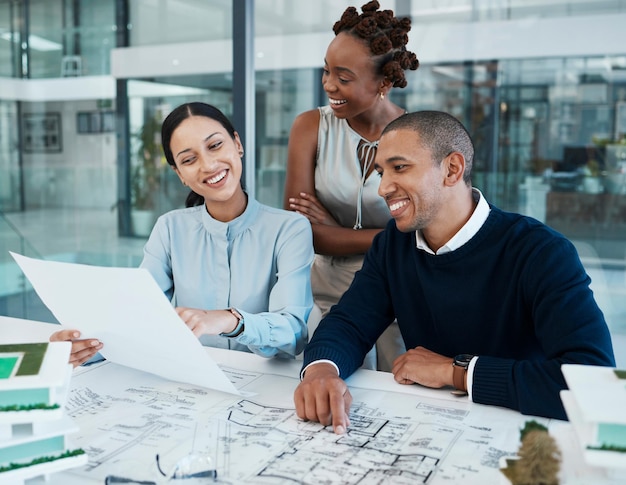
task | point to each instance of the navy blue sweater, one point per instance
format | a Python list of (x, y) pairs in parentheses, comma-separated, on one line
[(516, 295)]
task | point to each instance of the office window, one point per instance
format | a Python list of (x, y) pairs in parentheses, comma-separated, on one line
[(9, 40), (167, 22), (9, 157), (46, 38)]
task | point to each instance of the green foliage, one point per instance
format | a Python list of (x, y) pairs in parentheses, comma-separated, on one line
[(28, 407), (601, 141), (43, 459), (146, 172), (620, 449), (604, 141), (621, 374), (592, 169), (531, 426)]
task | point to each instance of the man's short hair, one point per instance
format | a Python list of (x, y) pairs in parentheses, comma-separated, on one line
[(441, 133)]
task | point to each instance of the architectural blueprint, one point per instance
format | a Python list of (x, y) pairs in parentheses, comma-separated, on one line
[(127, 417)]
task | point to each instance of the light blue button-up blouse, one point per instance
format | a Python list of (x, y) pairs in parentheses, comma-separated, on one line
[(258, 263)]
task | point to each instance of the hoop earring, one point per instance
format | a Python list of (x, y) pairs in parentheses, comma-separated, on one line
[(241, 153), (382, 96)]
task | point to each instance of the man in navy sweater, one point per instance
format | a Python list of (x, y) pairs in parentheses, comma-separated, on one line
[(489, 302)]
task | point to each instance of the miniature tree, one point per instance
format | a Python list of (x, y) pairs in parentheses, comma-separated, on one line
[(539, 458)]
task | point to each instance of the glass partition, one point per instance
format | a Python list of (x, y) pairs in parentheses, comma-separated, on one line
[(281, 96), (485, 10), (46, 37), (10, 178), (70, 38), (182, 21), (92, 37), (17, 297), (68, 154), (9, 39)]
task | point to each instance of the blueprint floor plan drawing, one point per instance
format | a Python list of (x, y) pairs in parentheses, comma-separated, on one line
[(374, 450), (393, 437)]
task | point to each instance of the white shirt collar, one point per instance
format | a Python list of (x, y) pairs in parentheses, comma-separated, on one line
[(467, 232)]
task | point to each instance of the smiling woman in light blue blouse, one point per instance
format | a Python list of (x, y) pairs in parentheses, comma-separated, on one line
[(237, 271)]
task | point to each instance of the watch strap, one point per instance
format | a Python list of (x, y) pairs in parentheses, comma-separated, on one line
[(458, 377), (238, 330)]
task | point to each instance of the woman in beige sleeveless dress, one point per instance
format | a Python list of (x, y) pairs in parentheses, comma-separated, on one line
[(330, 165)]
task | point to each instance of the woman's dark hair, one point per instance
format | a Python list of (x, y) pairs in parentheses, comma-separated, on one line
[(386, 35), (175, 118)]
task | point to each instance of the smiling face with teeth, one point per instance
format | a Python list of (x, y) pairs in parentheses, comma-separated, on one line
[(412, 183), (208, 161), (349, 77)]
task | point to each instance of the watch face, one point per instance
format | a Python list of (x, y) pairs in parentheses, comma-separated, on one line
[(463, 360)]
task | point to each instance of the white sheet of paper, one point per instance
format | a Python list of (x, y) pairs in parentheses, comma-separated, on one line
[(126, 310)]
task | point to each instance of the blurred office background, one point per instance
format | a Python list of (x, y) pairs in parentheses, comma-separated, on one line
[(84, 85)]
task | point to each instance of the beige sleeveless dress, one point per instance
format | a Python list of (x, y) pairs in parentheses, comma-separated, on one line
[(353, 201)]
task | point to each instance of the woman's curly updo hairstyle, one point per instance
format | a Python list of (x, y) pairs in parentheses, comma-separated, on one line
[(386, 36)]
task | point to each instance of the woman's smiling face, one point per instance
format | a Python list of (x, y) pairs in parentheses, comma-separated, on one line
[(207, 159), (349, 79)]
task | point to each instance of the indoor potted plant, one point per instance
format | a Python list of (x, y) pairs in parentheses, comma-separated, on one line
[(538, 460), (146, 171)]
